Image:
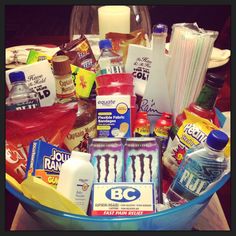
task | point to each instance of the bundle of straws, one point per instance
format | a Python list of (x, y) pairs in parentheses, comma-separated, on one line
[(190, 50)]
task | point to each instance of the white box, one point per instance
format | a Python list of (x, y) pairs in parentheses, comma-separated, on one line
[(122, 199)]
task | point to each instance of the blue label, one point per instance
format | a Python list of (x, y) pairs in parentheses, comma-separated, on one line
[(31, 104), (195, 174), (113, 116), (123, 194)]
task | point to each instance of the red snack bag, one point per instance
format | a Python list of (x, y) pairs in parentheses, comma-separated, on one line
[(50, 124)]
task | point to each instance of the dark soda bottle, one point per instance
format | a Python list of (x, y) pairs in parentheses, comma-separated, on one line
[(205, 103)]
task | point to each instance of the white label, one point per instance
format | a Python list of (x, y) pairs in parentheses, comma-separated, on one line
[(122, 199), (65, 87), (77, 139), (40, 78)]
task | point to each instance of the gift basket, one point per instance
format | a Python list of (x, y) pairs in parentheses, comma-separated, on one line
[(121, 135)]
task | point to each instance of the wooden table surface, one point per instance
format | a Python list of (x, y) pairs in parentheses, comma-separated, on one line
[(211, 218)]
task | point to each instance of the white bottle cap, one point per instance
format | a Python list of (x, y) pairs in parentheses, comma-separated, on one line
[(81, 155)]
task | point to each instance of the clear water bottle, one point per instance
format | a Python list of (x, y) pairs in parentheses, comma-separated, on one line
[(109, 62), (202, 165), (21, 97)]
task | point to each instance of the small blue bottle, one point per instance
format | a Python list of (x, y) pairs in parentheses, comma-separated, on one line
[(21, 97), (109, 61), (201, 166)]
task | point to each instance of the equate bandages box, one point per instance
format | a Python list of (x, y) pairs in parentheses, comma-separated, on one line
[(122, 199), (113, 116), (45, 160)]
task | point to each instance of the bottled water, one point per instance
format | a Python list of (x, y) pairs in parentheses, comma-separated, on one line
[(21, 96), (109, 61), (202, 165)]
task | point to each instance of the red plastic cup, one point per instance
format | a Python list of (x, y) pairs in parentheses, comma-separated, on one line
[(123, 89), (133, 100), (133, 117), (108, 79)]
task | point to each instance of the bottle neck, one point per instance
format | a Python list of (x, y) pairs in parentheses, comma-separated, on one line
[(18, 83), (158, 44), (213, 153), (207, 97), (81, 158), (106, 49), (19, 87)]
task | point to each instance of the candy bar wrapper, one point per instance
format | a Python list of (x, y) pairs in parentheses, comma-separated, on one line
[(79, 53), (83, 81), (121, 41)]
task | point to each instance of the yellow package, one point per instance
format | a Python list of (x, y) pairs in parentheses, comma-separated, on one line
[(13, 182), (192, 132), (83, 81), (35, 56), (43, 193)]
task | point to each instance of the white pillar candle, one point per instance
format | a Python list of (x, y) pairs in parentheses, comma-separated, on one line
[(113, 19)]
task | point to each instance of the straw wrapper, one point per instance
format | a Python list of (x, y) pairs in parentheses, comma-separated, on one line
[(190, 51)]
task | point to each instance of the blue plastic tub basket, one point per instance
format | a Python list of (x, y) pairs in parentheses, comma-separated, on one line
[(179, 218)]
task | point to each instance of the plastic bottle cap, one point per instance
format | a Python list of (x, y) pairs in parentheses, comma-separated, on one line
[(217, 140), (17, 76), (167, 115), (61, 65), (142, 114), (81, 155), (105, 43), (215, 80), (160, 28)]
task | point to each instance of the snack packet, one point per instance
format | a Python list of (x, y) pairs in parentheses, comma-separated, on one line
[(51, 124), (192, 132), (80, 53), (121, 41), (35, 56)]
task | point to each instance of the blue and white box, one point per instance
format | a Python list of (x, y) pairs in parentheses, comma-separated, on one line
[(113, 116)]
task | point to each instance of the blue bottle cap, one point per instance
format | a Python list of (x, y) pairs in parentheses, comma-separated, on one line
[(105, 43), (17, 76), (217, 140), (160, 28)]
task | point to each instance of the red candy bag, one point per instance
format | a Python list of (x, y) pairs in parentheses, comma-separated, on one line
[(50, 124)]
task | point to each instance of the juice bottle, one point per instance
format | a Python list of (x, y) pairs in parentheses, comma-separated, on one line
[(141, 125), (162, 128)]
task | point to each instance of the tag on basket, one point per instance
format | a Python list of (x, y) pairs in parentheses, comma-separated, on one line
[(139, 62)]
